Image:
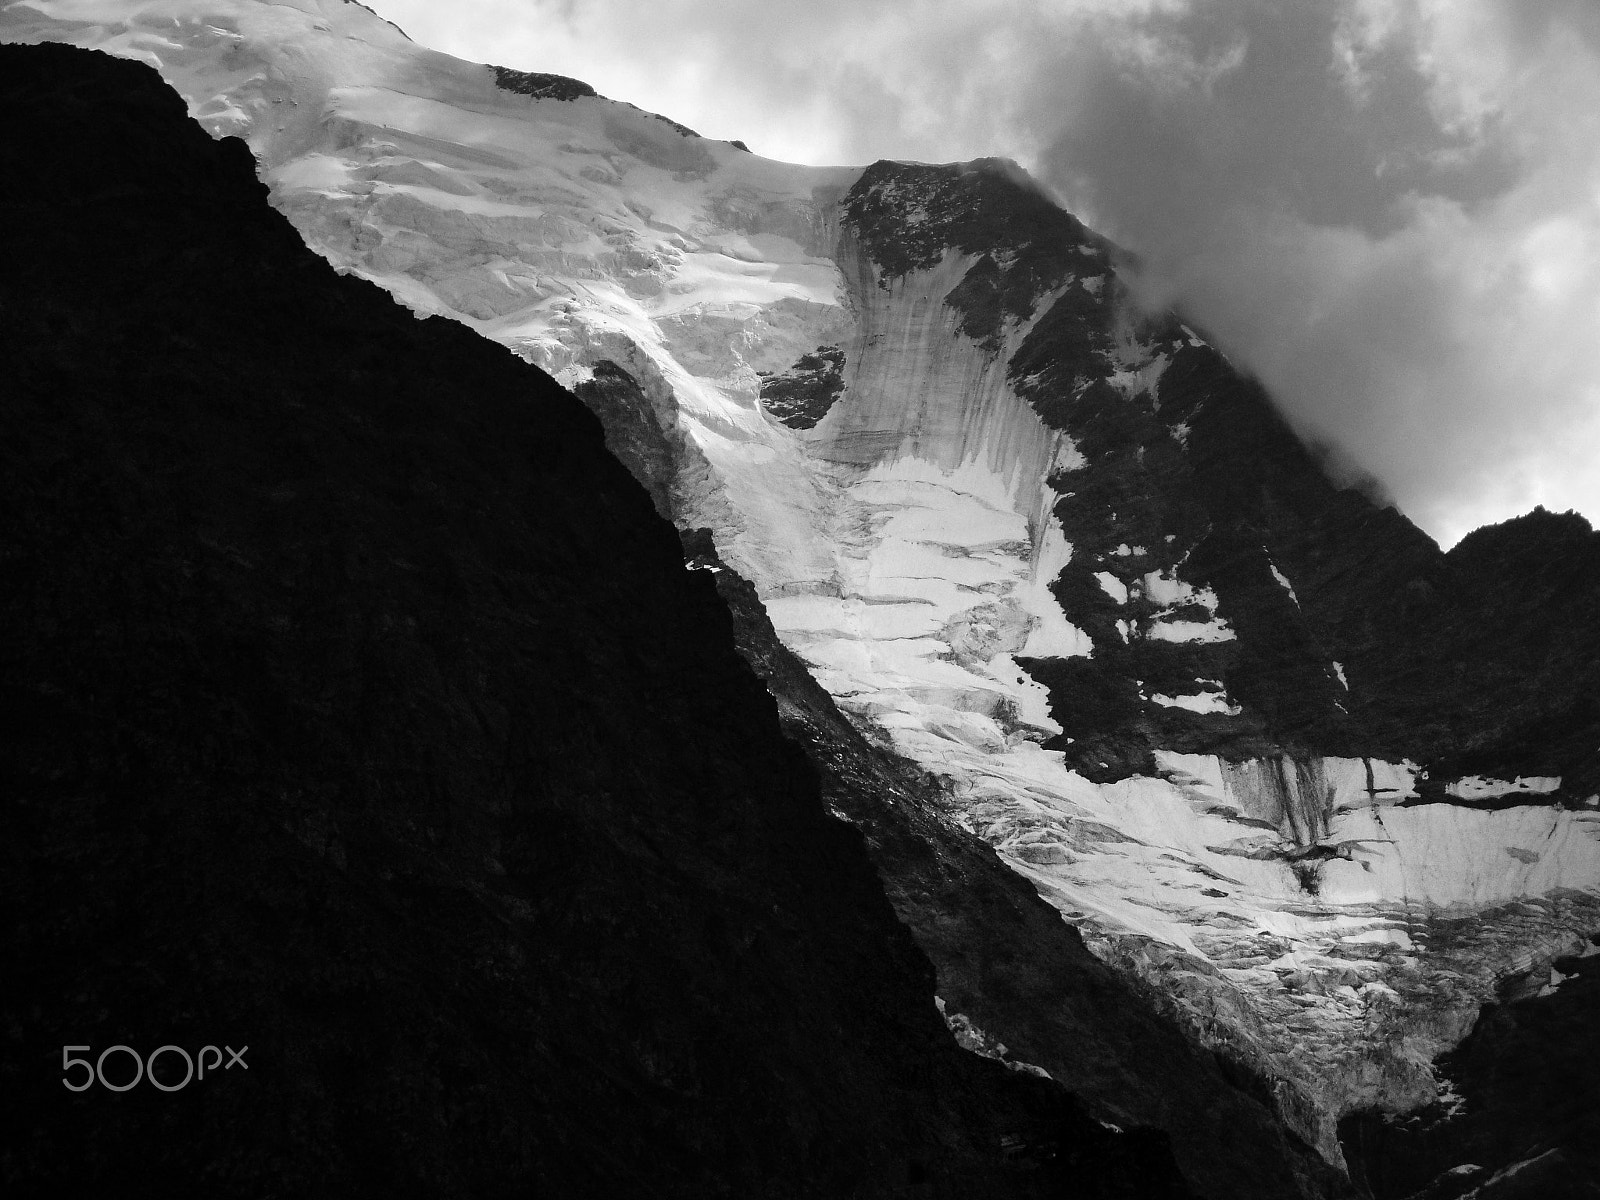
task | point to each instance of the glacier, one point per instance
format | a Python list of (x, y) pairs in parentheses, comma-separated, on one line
[(1317, 915)]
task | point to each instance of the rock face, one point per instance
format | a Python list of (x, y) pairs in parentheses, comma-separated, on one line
[(1314, 789), (802, 395), (1506, 628), (639, 430), (541, 85), (363, 714), (1520, 1117)]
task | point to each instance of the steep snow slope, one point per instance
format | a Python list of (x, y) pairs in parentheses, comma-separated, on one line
[(917, 412)]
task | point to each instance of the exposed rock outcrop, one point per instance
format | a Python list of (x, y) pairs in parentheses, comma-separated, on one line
[(1520, 1116), (541, 85), (802, 395)]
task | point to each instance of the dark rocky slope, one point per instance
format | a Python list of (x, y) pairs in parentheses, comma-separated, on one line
[(360, 710), (1507, 625), (802, 395), (1523, 1121)]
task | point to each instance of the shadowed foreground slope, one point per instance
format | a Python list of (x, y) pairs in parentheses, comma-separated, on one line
[(361, 711)]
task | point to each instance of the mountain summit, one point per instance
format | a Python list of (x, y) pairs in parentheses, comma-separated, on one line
[(1037, 572)]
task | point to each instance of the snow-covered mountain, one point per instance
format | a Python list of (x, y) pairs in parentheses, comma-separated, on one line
[(1272, 753), (337, 734)]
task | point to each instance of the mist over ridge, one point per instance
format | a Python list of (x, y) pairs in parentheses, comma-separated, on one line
[(1387, 210)]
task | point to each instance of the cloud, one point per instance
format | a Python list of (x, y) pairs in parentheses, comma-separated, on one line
[(1389, 210)]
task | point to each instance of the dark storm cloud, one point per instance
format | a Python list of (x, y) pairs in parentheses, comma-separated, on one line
[(1387, 209), (1376, 212), (1176, 114)]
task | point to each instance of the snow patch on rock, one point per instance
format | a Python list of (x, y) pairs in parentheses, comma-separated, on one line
[(1283, 582), (1479, 787)]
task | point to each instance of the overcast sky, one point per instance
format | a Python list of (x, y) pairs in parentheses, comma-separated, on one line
[(1389, 210)]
